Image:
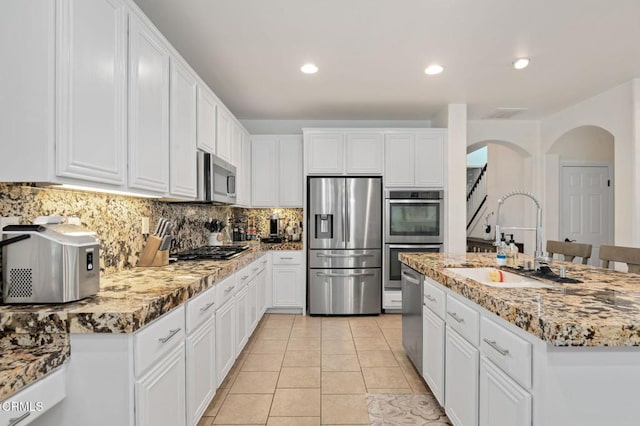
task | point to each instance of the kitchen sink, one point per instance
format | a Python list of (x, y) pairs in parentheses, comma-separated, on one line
[(511, 280)]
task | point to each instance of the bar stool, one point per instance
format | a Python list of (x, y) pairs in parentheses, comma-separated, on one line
[(628, 255), (569, 250)]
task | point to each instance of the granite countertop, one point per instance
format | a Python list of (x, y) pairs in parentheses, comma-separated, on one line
[(287, 245), (29, 357), (603, 310)]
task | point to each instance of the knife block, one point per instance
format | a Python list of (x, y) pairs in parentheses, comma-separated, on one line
[(152, 255)]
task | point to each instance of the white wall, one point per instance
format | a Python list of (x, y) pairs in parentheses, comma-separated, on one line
[(291, 127), (613, 111), (587, 143), (456, 195)]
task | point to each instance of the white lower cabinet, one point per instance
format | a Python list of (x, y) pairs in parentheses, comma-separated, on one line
[(502, 401), (241, 302), (288, 279), (201, 371), (433, 353), (160, 394), (461, 378), (252, 308), (225, 340)]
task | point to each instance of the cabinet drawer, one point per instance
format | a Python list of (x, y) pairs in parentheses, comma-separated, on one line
[(463, 319), (201, 308), (245, 275), (434, 298), (508, 351), (157, 339), (392, 299), (47, 391), (226, 288), (287, 257)]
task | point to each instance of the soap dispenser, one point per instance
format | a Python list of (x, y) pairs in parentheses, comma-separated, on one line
[(501, 252), (512, 253)]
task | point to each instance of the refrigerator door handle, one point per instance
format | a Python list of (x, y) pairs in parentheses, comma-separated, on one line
[(363, 274), (347, 230)]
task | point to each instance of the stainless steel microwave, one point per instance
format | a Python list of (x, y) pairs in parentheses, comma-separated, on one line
[(216, 180)]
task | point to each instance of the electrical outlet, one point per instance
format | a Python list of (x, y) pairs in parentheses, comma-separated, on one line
[(145, 225), (10, 220)]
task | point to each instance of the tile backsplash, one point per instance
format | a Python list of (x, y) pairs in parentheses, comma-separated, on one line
[(117, 219)]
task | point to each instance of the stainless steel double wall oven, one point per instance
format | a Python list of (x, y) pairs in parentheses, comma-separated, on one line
[(345, 245), (414, 222)]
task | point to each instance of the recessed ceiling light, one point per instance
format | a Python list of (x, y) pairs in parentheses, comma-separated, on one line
[(433, 69), (309, 69), (521, 63)]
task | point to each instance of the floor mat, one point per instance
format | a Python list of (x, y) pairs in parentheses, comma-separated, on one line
[(392, 409)]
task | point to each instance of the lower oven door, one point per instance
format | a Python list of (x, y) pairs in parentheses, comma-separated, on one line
[(344, 291), (392, 266)]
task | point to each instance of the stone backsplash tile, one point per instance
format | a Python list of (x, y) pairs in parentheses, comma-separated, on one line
[(117, 219)]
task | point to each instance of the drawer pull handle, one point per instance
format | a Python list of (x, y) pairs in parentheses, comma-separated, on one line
[(494, 345), (430, 298), (171, 334), (396, 300), (207, 307), (255, 269), (456, 317), (17, 420), (244, 277), (232, 287), (286, 258)]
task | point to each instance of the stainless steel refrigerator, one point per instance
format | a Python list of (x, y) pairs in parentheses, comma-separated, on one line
[(345, 245)]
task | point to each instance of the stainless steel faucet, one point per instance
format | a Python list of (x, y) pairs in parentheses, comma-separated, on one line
[(539, 256)]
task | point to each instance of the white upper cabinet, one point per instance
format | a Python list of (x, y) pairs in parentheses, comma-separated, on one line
[(290, 179), (414, 159), (324, 152), (364, 153), (243, 173), (91, 91), (183, 179), (148, 109), (206, 120), (236, 144), (224, 123), (429, 160), (264, 176), (399, 150), (276, 171)]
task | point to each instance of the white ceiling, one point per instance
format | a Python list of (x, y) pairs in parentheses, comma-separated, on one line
[(372, 54)]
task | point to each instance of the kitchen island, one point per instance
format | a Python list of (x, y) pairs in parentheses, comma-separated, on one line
[(566, 355)]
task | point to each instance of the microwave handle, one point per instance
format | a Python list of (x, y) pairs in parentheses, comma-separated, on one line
[(231, 185)]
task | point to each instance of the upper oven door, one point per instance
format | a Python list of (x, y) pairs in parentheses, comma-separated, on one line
[(414, 221)]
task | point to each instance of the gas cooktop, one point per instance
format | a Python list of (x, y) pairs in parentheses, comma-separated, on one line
[(211, 253)]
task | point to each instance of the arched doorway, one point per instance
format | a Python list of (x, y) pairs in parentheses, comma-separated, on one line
[(585, 205), (507, 169)]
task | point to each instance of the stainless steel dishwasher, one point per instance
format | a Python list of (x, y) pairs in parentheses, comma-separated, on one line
[(412, 295)]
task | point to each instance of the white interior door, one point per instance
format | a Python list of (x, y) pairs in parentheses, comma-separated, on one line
[(586, 206)]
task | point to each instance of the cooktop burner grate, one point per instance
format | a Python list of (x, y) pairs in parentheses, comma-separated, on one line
[(212, 253)]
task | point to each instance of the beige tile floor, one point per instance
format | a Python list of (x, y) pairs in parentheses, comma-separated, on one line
[(299, 370)]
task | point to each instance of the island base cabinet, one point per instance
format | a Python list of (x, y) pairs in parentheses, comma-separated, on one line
[(225, 340), (461, 378), (502, 401), (160, 395), (433, 329), (201, 371)]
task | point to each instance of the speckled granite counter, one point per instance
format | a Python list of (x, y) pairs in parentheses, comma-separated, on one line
[(604, 310), (127, 300), (292, 245), (27, 358)]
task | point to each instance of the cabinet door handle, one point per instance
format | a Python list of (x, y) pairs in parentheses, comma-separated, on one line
[(430, 298), (207, 307), (233, 286), (455, 316), (494, 345), (16, 420), (171, 334)]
